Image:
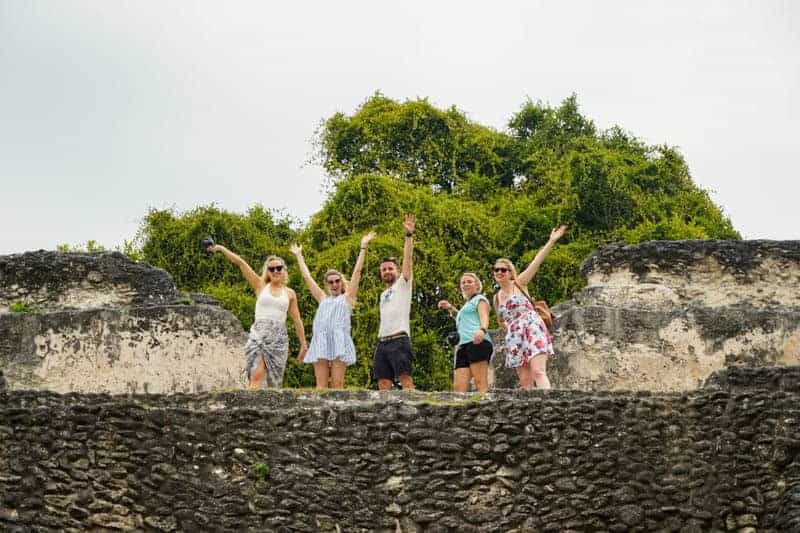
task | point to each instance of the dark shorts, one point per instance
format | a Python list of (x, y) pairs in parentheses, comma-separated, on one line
[(469, 353), (392, 358)]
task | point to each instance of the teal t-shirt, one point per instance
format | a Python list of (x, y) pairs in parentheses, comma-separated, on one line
[(468, 321)]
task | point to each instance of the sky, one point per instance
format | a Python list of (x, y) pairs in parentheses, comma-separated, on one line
[(110, 108)]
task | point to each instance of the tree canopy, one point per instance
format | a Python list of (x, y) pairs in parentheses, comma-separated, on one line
[(478, 194)]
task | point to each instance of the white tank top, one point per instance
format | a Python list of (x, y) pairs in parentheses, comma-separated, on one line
[(271, 307)]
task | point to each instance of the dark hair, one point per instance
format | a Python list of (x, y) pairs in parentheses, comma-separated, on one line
[(390, 259)]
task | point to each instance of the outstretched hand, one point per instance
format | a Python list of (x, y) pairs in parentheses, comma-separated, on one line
[(367, 238), (296, 249), (410, 222), (558, 232), (213, 248)]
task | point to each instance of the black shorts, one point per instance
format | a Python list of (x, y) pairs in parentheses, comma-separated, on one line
[(469, 353), (392, 358)]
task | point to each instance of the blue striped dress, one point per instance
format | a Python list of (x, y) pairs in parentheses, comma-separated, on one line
[(330, 338)]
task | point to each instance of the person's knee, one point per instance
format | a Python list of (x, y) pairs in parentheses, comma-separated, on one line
[(525, 379), (337, 381), (539, 370), (257, 374), (481, 379)]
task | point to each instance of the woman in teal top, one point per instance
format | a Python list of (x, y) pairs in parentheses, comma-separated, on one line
[(474, 344)]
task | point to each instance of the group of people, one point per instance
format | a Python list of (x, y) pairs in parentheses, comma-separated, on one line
[(527, 341)]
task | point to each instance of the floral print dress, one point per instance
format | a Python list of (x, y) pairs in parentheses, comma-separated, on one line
[(526, 336)]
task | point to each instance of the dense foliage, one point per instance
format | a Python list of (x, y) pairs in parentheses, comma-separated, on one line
[(478, 194)]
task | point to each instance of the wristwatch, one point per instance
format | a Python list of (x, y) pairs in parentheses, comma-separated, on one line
[(409, 234)]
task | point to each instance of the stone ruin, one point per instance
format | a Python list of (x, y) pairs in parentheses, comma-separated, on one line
[(104, 323), (659, 316), (664, 315), (668, 317)]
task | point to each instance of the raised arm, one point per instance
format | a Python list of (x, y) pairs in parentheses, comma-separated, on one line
[(409, 224), (316, 292), (355, 279), (294, 313), (252, 278), (527, 275)]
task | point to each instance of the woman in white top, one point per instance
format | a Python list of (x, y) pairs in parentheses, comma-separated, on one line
[(332, 349), (267, 346)]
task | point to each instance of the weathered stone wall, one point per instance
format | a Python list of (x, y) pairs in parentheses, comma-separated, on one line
[(725, 458), (103, 323), (58, 281), (664, 315)]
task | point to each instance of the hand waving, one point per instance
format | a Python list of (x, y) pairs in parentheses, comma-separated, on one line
[(367, 238), (410, 222), (558, 232)]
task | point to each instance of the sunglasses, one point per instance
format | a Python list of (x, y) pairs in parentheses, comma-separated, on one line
[(275, 268), (334, 281), (500, 269)]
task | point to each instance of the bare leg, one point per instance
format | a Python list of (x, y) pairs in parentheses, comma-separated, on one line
[(384, 384), (258, 374), (338, 368), (539, 371), (461, 380), (525, 377), (480, 373), (406, 381), (322, 372)]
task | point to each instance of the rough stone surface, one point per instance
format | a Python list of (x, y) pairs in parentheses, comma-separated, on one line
[(104, 323), (57, 281), (664, 315), (713, 459)]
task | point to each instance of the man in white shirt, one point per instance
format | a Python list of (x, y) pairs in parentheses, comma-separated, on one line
[(392, 359)]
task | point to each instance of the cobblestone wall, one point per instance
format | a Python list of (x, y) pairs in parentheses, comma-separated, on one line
[(722, 458)]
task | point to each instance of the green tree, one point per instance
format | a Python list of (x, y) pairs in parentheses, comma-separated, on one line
[(478, 194), (413, 141)]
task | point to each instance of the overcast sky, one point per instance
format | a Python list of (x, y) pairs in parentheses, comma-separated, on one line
[(108, 108)]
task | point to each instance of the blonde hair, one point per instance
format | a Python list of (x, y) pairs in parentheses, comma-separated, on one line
[(334, 272), (510, 265), (266, 275), (474, 276)]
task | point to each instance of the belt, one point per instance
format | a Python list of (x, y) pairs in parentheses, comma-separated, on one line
[(392, 337)]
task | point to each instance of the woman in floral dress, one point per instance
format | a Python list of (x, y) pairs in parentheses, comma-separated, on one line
[(528, 343)]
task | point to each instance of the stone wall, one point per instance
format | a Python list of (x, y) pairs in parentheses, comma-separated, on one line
[(664, 315), (103, 323), (52, 281), (725, 458)]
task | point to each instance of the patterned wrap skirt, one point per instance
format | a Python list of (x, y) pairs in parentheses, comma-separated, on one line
[(268, 341)]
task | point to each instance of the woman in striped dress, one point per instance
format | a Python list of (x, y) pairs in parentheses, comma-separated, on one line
[(332, 349)]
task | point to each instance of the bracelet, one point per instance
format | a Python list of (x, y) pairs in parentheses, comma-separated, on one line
[(363, 248)]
